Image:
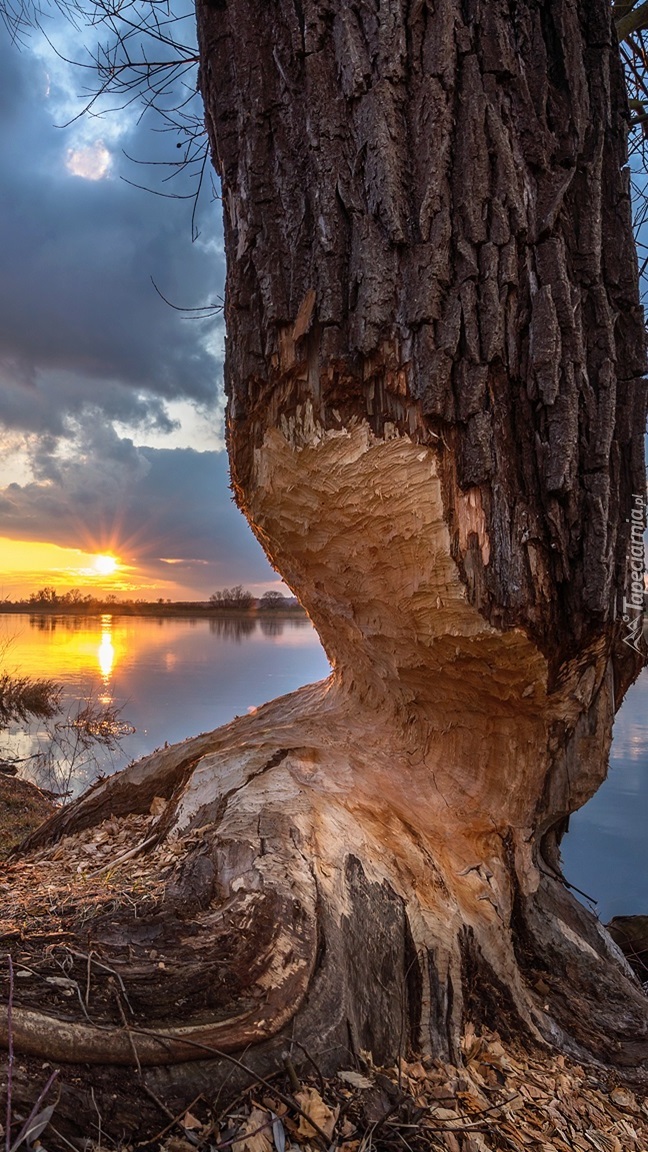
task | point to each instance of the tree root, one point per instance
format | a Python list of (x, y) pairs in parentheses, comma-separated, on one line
[(296, 883)]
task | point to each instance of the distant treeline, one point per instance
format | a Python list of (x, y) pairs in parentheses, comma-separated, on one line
[(226, 601)]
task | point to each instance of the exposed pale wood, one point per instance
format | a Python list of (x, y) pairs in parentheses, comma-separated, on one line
[(435, 421)]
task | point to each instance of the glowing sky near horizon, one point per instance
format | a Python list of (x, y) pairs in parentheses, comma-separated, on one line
[(111, 403)]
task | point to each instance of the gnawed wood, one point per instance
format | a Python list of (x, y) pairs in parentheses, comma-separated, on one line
[(630, 933), (238, 934), (435, 422)]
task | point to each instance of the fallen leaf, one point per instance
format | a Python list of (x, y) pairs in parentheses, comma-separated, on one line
[(255, 1135), (177, 1144), (623, 1098), (278, 1133), (189, 1121), (444, 1113), (33, 1128), (355, 1079), (311, 1103)]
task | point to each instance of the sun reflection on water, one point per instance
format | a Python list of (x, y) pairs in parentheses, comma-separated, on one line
[(106, 657)]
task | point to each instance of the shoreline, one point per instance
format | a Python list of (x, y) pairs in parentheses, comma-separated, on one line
[(195, 610)]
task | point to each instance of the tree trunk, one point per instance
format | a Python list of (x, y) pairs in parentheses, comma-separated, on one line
[(435, 424)]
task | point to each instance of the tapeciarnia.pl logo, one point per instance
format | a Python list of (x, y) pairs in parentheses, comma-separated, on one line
[(633, 605)]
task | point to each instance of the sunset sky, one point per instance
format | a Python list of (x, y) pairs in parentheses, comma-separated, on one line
[(111, 409)]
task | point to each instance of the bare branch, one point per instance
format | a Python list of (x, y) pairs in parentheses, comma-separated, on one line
[(199, 313), (635, 20)]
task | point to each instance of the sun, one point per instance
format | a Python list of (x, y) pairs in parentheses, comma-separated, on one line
[(105, 565)]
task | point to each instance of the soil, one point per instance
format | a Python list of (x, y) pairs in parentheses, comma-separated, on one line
[(502, 1096), (501, 1099), (23, 807), (83, 897)]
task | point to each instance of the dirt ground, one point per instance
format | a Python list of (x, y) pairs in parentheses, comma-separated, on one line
[(22, 808), (501, 1097)]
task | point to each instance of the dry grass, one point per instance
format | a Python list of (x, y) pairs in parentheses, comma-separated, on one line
[(498, 1099), (68, 883), (22, 808)]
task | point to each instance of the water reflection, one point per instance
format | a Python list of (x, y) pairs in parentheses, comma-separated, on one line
[(49, 623), (232, 628), (173, 676), (106, 650), (236, 627), (106, 659), (179, 676), (606, 850), (271, 627)]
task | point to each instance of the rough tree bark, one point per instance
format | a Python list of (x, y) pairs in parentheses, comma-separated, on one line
[(436, 410)]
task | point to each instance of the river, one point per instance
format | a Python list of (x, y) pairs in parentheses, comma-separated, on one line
[(175, 677), (171, 677)]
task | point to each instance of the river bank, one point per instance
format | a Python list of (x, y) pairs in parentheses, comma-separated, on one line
[(500, 1094), (191, 609), (22, 808)]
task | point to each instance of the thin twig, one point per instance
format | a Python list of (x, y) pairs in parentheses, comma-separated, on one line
[(60, 1136), (106, 968), (210, 309), (10, 1052), (175, 1120), (25, 1128), (471, 1125), (88, 977), (129, 1033), (292, 1075), (241, 1096), (167, 1111), (239, 1139), (124, 856), (96, 1106), (162, 1106), (318, 1070), (285, 1099)]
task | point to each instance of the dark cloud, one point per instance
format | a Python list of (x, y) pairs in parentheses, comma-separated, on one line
[(168, 512), (80, 321), (90, 356)]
